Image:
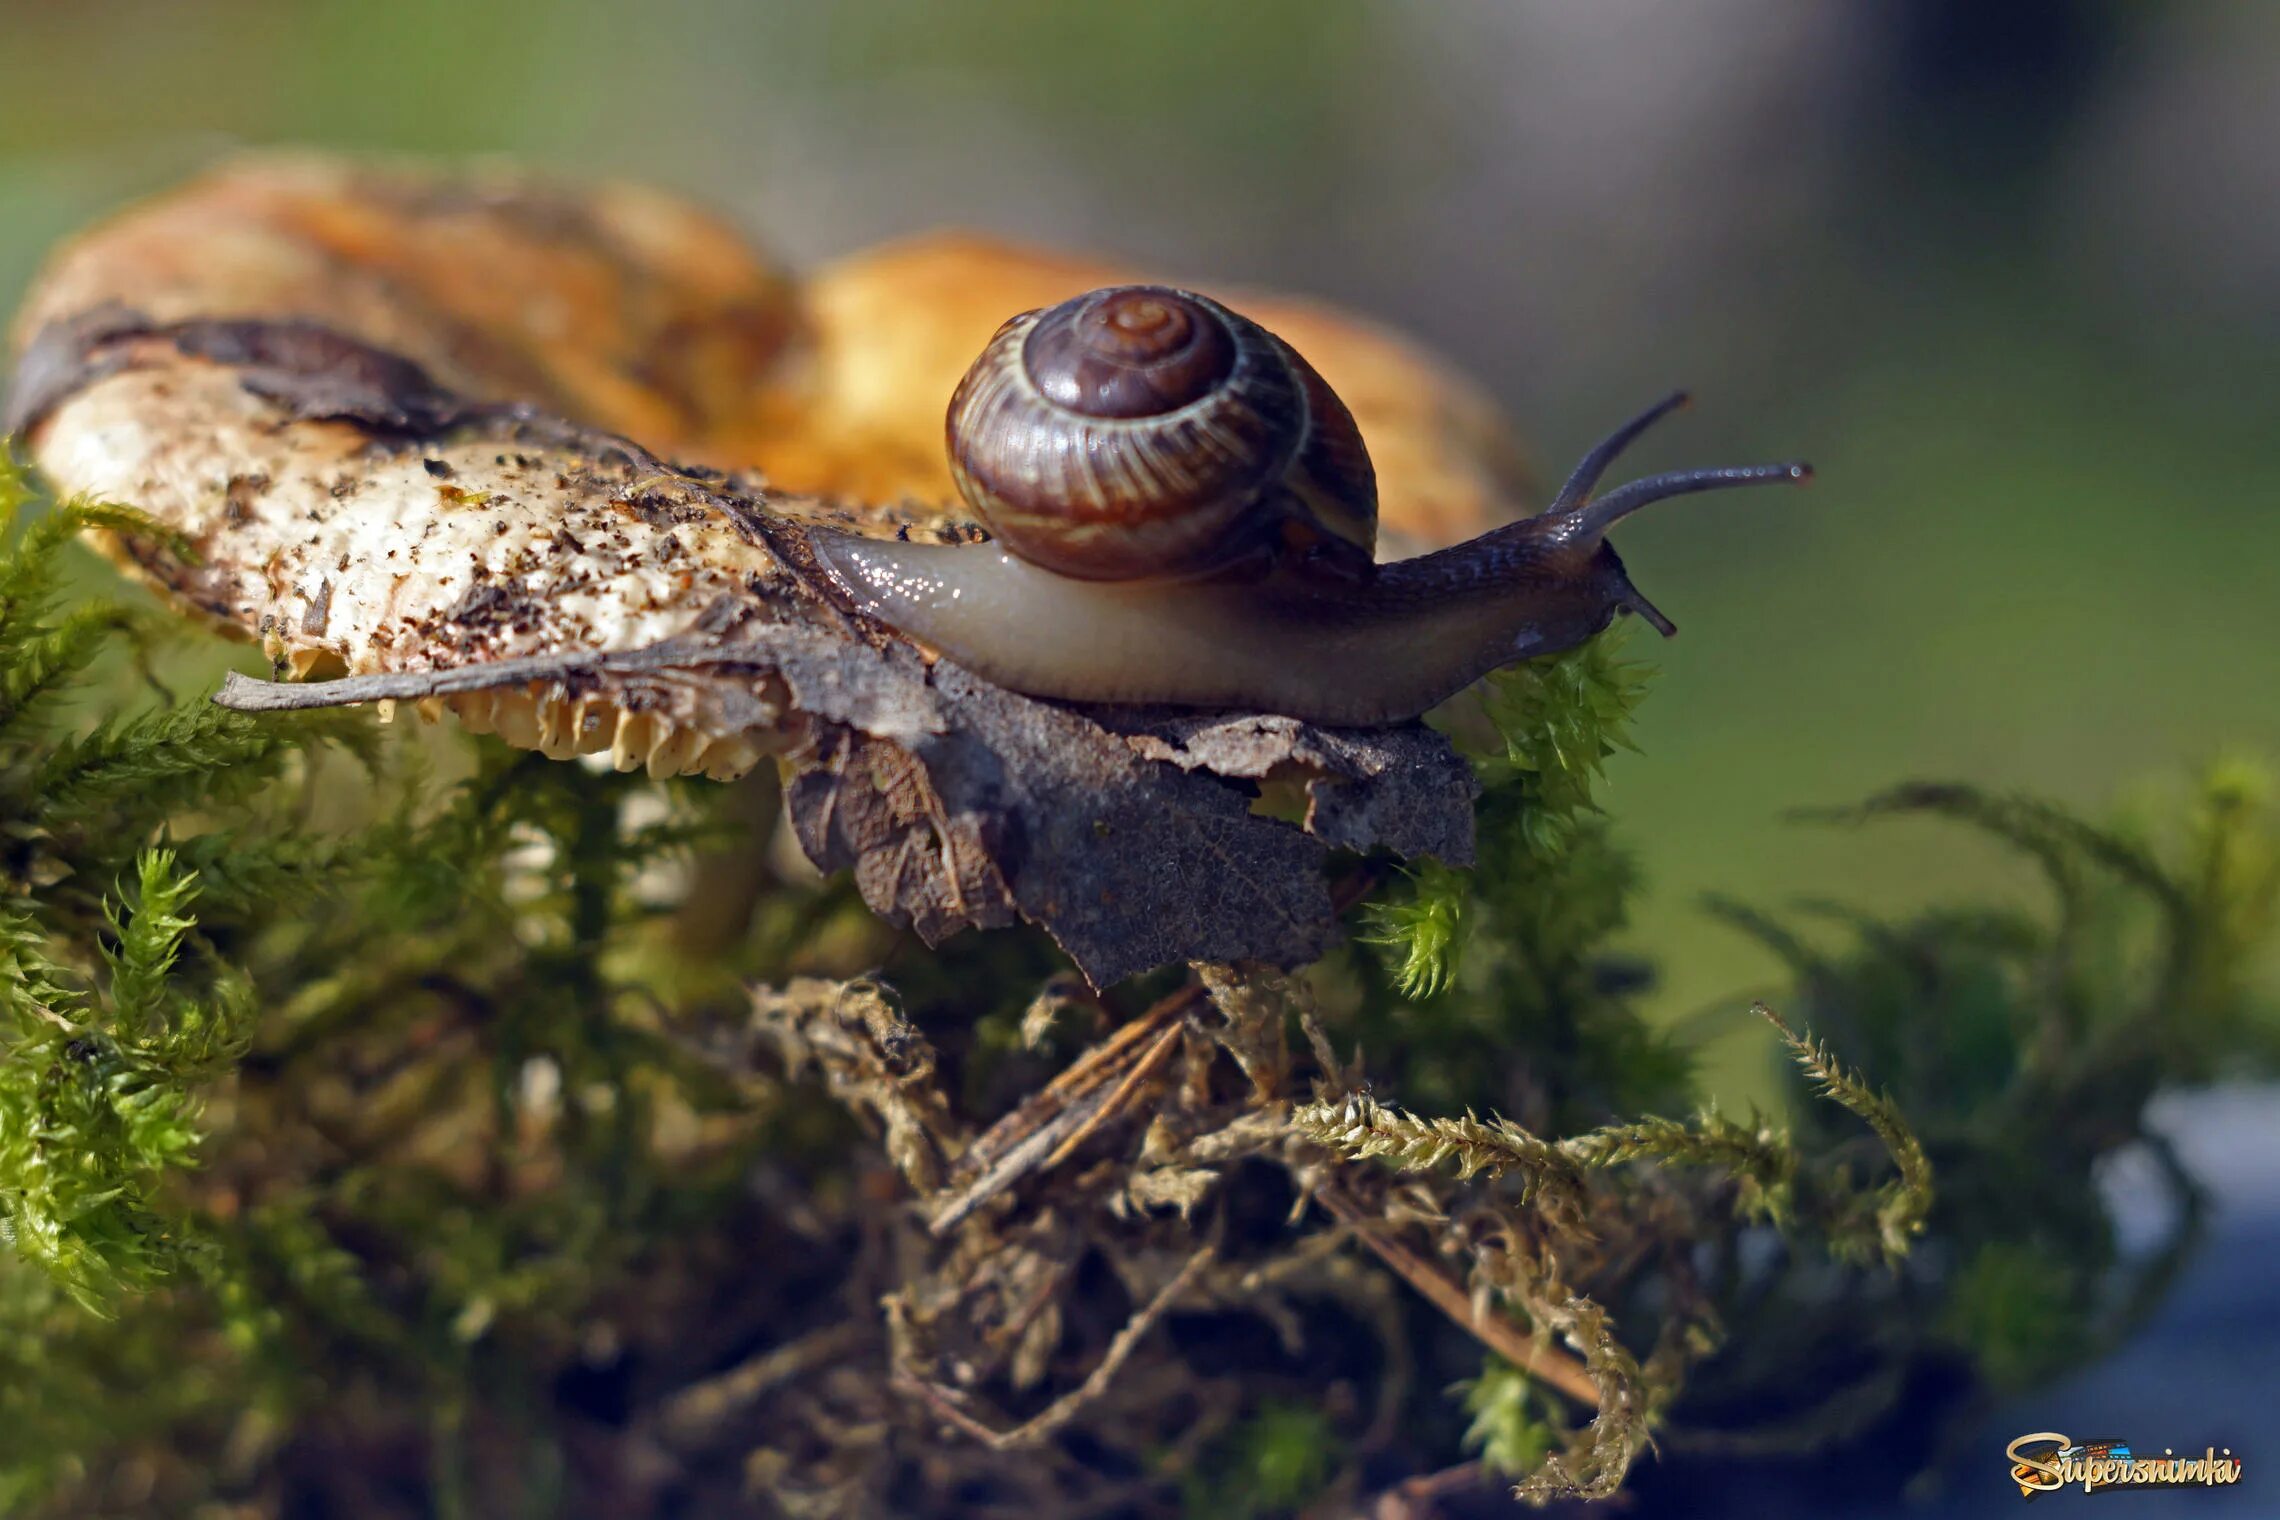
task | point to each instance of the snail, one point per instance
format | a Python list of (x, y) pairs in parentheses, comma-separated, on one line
[(1182, 513)]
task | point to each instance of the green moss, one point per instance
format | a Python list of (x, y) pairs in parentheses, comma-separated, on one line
[(1514, 1425), (385, 1127), (1267, 1466)]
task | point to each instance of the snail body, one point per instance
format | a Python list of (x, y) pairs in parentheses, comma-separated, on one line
[(1183, 513), (1331, 652)]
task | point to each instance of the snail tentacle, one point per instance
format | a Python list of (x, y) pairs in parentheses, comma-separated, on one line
[(1594, 463), (1590, 520)]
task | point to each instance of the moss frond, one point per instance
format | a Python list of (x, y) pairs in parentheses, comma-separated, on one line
[(1551, 725), (1559, 719), (1761, 1160), (1903, 1204), (99, 1094), (1364, 1129), (1422, 924), (1513, 1425)]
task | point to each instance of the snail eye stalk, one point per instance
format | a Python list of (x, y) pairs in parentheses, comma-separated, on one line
[(1594, 464), (1653, 615), (1590, 521)]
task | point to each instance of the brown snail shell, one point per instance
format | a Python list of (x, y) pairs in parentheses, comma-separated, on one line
[(1141, 432)]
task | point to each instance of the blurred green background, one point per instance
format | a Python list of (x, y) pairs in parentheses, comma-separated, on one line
[(2002, 271)]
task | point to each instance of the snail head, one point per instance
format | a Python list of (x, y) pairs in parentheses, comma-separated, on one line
[(1573, 528)]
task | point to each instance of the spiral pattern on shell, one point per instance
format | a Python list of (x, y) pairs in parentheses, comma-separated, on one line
[(1139, 432)]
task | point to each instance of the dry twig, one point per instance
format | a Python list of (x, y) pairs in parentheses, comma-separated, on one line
[(1065, 1408), (1546, 1363)]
